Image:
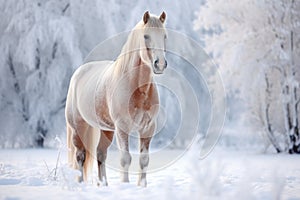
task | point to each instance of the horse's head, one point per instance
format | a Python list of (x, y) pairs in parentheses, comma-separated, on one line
[(154, 42)]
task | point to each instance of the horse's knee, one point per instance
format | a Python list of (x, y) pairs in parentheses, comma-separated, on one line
[(80, 157), (101, 156), (144, 153), (125, 159), (80, 150), (144, 160)]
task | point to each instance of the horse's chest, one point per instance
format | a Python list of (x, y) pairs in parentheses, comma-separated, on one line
[(144, 101), (144, 107)]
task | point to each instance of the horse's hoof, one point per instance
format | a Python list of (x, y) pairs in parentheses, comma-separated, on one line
[(101, 184), (142, 182)]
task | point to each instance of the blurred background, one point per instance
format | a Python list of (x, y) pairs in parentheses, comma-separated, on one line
[(255, 45)]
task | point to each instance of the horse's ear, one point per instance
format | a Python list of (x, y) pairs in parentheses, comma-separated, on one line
[(146, 17), (162, 17)]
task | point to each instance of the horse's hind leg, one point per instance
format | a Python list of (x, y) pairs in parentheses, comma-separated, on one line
[(80, 155), (104, 143), (122, 139), (80, 151)]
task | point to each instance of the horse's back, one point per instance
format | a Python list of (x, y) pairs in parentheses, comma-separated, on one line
[(81, 95), (90, 71)]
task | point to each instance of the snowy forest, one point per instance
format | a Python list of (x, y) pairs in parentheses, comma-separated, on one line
[(257, 55)]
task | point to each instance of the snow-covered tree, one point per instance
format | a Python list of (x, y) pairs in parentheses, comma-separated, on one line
[(257, 47), (39, 49)]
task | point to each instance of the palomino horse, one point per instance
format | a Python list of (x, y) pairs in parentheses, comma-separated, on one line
[(106, 97)]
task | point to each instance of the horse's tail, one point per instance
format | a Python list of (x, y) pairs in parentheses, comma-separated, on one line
[(90, 142), (71, 147)]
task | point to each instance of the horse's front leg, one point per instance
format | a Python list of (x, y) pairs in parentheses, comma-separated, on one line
[(122, 139), (145, 139)]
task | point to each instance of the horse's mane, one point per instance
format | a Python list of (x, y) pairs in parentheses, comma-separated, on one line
[(130, 50)]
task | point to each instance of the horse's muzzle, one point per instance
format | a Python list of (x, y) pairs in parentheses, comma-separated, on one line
[(159, 68)]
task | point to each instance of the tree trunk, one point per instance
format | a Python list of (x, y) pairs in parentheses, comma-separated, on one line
[(270, 132)]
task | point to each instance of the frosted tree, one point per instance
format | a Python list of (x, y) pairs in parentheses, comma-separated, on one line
[(257, 47), (39, 49)]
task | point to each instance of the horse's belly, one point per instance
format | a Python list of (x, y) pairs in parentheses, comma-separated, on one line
[(98, 122)]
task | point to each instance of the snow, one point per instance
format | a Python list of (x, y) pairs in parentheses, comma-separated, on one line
[(30, 174)]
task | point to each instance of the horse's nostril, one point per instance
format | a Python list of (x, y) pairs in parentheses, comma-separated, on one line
[(156, 62), (166, 64)]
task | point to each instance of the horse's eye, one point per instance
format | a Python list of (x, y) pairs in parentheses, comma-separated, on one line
[(165, 37), (146, 37)]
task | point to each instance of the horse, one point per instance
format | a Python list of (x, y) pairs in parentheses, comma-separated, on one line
[(117, 97)]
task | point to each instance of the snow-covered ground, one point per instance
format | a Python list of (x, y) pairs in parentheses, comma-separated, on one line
[(31, 174)]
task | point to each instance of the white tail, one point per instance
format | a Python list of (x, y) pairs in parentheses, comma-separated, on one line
[(71, 148)]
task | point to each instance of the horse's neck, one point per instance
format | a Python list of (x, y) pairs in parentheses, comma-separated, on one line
[(140, 75), (144, 78)]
